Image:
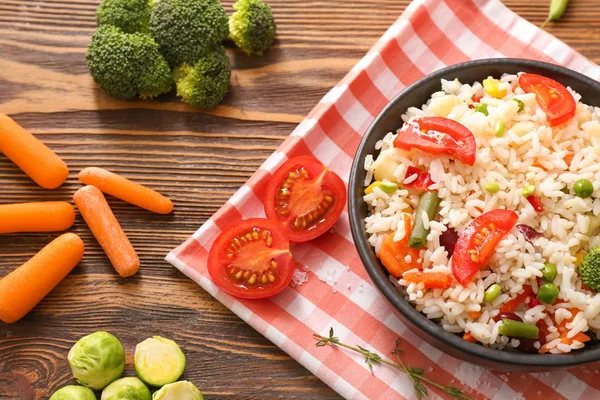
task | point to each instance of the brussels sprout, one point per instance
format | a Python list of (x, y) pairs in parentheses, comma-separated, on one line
[(183, 390), (73, 392), (97, 359), (126, 389), (159, 361)]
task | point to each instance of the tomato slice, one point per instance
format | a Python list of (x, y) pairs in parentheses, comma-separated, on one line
[(477, 243), (437, 135), (305, 198), (393, 254), (422, 182), (252, 259), (536, 203), (556, 101), (512, 304)]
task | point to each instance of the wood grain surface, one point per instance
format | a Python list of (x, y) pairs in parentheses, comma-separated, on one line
[(196, 158)]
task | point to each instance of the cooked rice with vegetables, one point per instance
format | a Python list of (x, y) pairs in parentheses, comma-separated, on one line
[(485, 207)]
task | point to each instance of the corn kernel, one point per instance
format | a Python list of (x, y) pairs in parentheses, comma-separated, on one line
[(491, 86), (372, 186)]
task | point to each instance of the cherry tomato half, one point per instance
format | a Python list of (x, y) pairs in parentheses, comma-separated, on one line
[(305, 198), (556, 101), (477, 243), (437, 135), (251, 259)]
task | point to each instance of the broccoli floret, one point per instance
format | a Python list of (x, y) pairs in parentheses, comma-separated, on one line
[(128, 15), (252, 27), (187, 29), (125, 65), (206, 83), (589, 270)]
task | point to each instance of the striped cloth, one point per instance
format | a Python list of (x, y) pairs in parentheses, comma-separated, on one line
[(431, 34)]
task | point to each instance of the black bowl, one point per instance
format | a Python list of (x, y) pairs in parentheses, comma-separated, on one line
[(388, 121)]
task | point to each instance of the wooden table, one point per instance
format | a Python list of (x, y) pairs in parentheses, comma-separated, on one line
[(198, 159)]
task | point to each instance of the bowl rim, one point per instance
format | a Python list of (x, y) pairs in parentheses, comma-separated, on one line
[(381, 280)]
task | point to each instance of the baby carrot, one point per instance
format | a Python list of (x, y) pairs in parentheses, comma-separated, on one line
[(126, 190), (102, 222), (22, 289), (47, 216), (31, 155)]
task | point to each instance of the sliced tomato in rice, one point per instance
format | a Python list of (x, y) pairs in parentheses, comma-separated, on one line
[(418, 179), (556, 101), (304, 198), (478, 241), (536, 203), (514, 303), (251, 259), (438, 135)]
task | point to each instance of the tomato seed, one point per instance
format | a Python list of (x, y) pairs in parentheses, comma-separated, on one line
[(252, 279)]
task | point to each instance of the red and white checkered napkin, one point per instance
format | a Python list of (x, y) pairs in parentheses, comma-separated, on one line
[(431, 34)]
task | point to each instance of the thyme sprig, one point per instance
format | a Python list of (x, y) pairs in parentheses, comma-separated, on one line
[(415, 374)]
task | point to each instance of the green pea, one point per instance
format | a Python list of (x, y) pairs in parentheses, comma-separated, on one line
[(583, 188), (549, 272), (513, 328), (547, 293), (492, 293), (520, 103), (482, 108), (388, 187), (528, 190), (492, 187), (500, 128)]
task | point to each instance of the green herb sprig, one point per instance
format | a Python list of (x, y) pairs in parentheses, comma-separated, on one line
[(415, 374)]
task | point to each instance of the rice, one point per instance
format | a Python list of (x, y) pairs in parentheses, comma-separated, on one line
[(529, 152)]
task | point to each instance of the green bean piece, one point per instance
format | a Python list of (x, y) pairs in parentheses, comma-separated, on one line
[(492, 293), (547, 293), (513, 328), (482, 108), (557, 9), (549, 272), (528, 190), (429, 202), (520, 103), (492, 187), (583, 188), (500, 128)]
